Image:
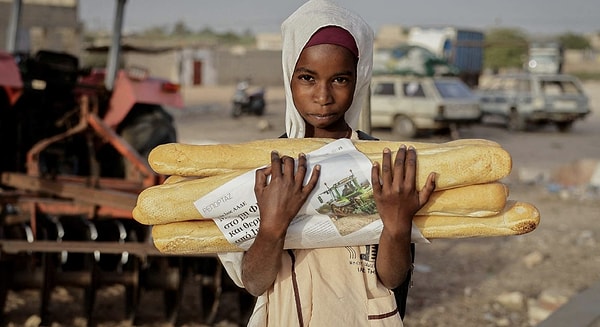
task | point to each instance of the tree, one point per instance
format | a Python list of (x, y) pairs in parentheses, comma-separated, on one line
[(574, 41), (505, 48), (181, 29), (155, 31)]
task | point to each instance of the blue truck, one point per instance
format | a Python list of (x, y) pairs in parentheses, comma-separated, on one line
[(460, 47)]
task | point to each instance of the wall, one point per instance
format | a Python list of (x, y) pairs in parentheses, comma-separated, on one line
[(54, 26), (263, 67), (162, 64), (582, 61)]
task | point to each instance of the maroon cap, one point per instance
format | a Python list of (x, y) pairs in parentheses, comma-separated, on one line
[(333, 35)]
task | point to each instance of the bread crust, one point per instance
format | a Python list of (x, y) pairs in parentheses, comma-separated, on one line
[(203, 236), (215, 159), (173, 202)]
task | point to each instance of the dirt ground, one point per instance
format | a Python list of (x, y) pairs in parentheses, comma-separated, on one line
[(500, 281)]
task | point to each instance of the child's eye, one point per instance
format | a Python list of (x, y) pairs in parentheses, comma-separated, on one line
[(305, 77), (341, 80)]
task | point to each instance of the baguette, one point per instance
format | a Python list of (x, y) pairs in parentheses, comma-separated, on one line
[(174, 201), (458, 163), (477, 155), (203, 236)]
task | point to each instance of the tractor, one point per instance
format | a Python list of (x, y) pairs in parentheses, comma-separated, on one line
[(75, 148)]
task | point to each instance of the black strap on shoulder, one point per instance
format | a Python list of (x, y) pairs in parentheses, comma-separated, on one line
[(361, 136), (364, 136), (401, 292), (296, 291)]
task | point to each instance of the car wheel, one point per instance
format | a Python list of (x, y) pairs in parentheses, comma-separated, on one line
[(148, 129), (259, 106), (564, 126), (404, 127), (516, 121)]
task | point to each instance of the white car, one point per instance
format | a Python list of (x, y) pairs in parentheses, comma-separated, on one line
[(412, 104)]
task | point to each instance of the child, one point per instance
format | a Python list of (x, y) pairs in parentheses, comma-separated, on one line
[(327, 59)]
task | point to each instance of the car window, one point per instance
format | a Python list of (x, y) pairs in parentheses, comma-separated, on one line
[(384, 89), (413, 89), (523, 85), (559, 87), (491, 84), (453, 89), (511, 84), (499, 84)]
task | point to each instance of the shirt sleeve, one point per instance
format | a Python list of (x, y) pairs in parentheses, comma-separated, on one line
[(232, 261)]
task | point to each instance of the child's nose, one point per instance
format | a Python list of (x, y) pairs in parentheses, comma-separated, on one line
[(323, 94)]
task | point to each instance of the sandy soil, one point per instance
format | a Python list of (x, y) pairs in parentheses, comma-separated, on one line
[(502, 281)]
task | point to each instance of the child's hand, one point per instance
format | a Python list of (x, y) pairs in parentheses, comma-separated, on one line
[(395, 190), (281, 197)]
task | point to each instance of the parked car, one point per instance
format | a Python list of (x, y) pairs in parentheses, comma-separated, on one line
[(411, 104), (525, 100)]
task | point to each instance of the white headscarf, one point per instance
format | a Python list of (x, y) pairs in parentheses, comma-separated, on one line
[(297, 30)]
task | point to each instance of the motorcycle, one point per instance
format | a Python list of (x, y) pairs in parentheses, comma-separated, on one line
[(248, 103)]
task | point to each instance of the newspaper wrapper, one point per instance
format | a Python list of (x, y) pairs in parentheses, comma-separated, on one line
[(340, 211)]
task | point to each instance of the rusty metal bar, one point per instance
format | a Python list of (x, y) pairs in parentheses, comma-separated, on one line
[(79, 193), (104, 183), (125, 149), (33, 167), (41, 246), (66, 207)]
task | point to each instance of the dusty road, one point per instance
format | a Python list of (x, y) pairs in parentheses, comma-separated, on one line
[(504, 281)]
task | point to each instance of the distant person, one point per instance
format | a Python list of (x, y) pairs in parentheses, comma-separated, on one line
[(327, 62)]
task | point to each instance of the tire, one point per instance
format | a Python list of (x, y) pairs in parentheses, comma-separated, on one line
[(260, 107), (516, 122), (145, 128), (403, 127), (564, 126), (236, 111)]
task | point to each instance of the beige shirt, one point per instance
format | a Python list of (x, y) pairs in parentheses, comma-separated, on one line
[(334, 287)]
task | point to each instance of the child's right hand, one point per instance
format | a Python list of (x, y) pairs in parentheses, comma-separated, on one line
[(280, 198), (395, 191)]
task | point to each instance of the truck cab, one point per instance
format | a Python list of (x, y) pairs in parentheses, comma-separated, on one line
[(545, 58)]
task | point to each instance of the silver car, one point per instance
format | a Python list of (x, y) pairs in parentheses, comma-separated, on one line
[(526, 100), (411, 104)]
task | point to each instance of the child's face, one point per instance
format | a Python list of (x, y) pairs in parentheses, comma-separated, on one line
[(323, 85)]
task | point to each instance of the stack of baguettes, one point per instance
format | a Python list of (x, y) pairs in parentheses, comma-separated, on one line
[(470, 199)]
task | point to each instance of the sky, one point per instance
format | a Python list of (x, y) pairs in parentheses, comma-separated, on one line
[(534, 17)]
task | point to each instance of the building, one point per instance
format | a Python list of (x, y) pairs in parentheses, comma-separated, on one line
[(44, 24)]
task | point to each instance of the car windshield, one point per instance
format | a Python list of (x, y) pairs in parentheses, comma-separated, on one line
[(453, 89), (544, 59)]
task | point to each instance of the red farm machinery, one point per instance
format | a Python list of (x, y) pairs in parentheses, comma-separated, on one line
[(75, 144)]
